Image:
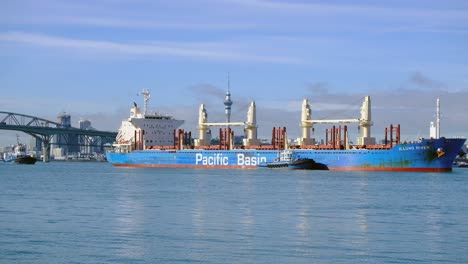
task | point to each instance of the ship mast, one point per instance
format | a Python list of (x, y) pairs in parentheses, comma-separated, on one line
[(146, 97), (438, 118)]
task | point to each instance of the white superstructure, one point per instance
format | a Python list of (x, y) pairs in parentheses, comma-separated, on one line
[(148, 130)]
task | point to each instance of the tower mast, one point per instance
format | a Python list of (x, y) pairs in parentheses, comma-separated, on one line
[(438, 119), (228, 104)]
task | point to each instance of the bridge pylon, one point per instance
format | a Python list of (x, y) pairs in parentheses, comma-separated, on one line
[(45, 148)]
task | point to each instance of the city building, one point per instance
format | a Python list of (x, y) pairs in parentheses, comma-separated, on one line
[(67, 142)]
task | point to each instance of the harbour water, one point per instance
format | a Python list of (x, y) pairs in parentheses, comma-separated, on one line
[(77, 212)]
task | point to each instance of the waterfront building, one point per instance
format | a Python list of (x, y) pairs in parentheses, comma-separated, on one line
[(82, 139), (67, 142)]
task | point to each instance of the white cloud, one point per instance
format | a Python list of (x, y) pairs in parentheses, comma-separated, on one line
[(353, 9), (206, 51), (127, 23), (235, 15)]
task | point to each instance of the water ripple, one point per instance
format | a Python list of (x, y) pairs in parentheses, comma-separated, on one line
[(96, 213)]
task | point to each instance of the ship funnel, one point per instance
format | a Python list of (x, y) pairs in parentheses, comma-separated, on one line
[(135, 111)]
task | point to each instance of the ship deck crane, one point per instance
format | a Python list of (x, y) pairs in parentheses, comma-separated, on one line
[(365, 123)]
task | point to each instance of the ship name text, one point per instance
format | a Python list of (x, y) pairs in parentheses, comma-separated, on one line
[(413, 148), (218, 159)]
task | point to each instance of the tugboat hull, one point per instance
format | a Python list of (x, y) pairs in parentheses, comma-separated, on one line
[(299, 164), (25, 160), (306, 164)]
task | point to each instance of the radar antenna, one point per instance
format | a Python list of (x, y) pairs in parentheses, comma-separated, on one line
[(438, 118), (146, 96)]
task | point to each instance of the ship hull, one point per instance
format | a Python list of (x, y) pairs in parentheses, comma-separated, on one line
[(425, 156), (25, 160), (21, 159)]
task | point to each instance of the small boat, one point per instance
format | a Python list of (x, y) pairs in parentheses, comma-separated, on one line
[(462, 160), (463, 164), (18, 155), (25, 160), (290, 160)]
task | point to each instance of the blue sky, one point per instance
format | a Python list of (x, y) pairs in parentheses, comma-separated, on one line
[(90, 58)]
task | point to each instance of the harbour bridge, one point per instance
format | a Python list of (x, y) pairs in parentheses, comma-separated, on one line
[(49, 132)]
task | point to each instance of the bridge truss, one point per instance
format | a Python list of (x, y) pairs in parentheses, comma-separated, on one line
[(53, 133)]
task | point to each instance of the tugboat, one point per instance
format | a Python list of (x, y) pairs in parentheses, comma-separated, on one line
[(463, 164), (290, 160), (19, 155), (462, 160)]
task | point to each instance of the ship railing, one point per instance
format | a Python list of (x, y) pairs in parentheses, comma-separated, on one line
[(262, 147), (377, 147), (331, 147), (213, 147), (317, 147), (121, 148), (161, 148), (202, 147), (253, 147), (256, 147)]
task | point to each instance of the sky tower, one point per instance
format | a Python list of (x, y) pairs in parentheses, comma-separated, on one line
[(227, 105)]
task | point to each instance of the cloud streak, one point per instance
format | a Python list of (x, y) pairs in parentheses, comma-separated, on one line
[(243, 15), (409, 19), (127, 23), (208, 51), (352, 9)]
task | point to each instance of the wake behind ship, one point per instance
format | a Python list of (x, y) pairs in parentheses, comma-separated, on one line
[(155, 140)]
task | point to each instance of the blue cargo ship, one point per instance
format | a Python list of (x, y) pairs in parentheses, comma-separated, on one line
[(155, 140)]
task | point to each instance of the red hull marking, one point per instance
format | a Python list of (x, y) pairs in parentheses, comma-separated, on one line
[(186, 166), (391, 169)]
